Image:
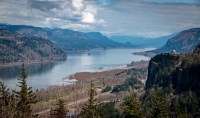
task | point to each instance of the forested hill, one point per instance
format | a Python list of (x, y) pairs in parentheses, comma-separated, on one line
[(66, 39), (16, 48), (178, 77), (180, 70)]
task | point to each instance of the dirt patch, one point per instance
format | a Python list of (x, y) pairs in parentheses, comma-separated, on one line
[(92, 75)]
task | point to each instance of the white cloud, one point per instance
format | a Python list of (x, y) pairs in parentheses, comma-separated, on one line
[(88, 17), (77, 4)]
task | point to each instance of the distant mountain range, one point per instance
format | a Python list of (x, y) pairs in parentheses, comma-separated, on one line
[(186, 41), (16, 48), (68, 40), (144, 42)]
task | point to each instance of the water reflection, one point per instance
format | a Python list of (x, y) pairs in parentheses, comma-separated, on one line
[(10, 72), (41, 75)]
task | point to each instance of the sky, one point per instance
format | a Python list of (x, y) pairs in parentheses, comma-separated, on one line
[(141, 18)]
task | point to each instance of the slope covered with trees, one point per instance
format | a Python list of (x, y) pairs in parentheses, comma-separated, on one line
[(18, 48), (178, 76)]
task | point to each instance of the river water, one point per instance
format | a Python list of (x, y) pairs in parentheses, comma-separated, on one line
[(45, 74)]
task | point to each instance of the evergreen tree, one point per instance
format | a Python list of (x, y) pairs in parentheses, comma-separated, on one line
[(7, 104), (158, 107), (25, 98), (132, 106), (179, 113), (107, 110), (89, 108), (60, 111)]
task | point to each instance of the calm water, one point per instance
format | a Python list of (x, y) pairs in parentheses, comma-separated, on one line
[(43, 75)]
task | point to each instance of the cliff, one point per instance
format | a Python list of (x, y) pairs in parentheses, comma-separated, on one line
[(180, 70)]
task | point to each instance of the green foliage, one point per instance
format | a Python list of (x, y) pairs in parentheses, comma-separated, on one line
[(158, 107), (108, 88), (25, 97), (60, 111), (89, 108), (7, 106), (179, 113), (132, 108), (129, 82), (107, 110)]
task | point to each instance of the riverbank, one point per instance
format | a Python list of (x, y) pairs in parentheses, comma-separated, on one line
[(29, 62), (85, 76), (74, 51)]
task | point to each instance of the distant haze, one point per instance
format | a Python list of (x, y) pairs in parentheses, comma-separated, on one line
[(141, 41)]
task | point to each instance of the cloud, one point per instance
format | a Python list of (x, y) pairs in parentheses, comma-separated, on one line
[(77, 4), (149, 18), (45, 5), (88, 15)]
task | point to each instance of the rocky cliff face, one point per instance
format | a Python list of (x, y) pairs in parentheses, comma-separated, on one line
[(182, 70), (28, 49), (185, 41)]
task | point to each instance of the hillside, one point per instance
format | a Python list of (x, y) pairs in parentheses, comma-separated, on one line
[(18, 48), (177, 76), (27, 30), (68, 40), (181, 70), (185, 41)]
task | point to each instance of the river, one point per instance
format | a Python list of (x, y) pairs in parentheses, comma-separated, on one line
[(45, 74)]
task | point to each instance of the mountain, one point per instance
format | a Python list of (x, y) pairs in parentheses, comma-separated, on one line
[(176, 76), (17, 48), (141, 41), (27, 30), (185, 41), (66, 39), (180, 70)]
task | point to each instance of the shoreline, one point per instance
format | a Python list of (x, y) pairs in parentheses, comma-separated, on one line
[(107, 49), (27, 62), (91, 75)]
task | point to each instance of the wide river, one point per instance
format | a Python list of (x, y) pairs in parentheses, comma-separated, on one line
[(45, 74)]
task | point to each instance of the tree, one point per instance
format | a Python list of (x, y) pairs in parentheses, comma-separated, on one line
[(132, 106), (25, 98), (180, 113), (107, 110), (60, 111), (89, 108), (7, 104), (158, 107)]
